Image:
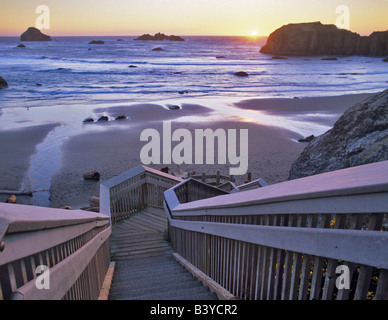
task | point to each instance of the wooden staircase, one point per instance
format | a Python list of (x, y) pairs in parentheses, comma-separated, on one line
[(145, 268)]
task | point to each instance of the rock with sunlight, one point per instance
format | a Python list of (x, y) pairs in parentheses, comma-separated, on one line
[(315, 38)]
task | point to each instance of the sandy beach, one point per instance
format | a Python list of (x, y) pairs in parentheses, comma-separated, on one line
[(113, 147)]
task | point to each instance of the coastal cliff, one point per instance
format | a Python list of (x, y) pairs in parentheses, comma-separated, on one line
[(315, 38), (359, 136)]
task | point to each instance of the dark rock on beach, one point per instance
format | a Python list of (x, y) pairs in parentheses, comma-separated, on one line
[(103, 118), (3, 83), (88, 120), (159, 37), (307, 139), (92, 175), (122, 117), (33, 34), (360, 136), (315, 38)]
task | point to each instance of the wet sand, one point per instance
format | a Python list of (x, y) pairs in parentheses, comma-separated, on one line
[(114, 147), (17, 147)]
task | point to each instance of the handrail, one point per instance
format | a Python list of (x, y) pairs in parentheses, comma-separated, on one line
[(131, 191), (285, 241), (72, 244)]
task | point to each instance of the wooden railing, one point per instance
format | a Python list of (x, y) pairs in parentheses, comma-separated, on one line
[(131, 191), (50, 254), (320, 237)]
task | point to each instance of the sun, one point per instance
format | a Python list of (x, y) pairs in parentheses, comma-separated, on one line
[(253, 33)]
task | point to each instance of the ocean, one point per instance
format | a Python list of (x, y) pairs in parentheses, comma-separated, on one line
[(69, 70), (66, 80)]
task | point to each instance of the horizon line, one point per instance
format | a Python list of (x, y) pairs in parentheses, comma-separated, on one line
[(137, 35)]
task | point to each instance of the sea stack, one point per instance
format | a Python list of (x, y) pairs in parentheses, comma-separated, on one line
[(315, 38), (360, 136), (33, 34)]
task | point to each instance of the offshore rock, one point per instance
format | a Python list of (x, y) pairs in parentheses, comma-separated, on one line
[(159, 37), (241, 74), (360, 136), (33, 34), (96, 42), (315, 38)]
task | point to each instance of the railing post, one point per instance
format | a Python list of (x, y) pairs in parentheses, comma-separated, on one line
[(218, 179)]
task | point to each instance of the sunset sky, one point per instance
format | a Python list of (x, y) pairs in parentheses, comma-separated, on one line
[(186, 17)]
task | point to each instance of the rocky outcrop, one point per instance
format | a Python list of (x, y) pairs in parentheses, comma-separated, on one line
[(3, 83), (315, 38), (33, 34), (159, 37), (359, 137), (96, 42)]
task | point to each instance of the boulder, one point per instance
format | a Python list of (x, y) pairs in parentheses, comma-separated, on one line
[(165, 169), (34, 34), (11, 199), (359, 136), (92, 175), (315, 38), (122, 117), (174, 107), (21, 45), (97, 42), (241, 74), (385, 59), (103, 118), (88, 120), (3, 83), (157, 49), (307, 139)]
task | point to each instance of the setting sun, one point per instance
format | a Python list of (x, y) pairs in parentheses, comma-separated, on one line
[(254, 33)]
